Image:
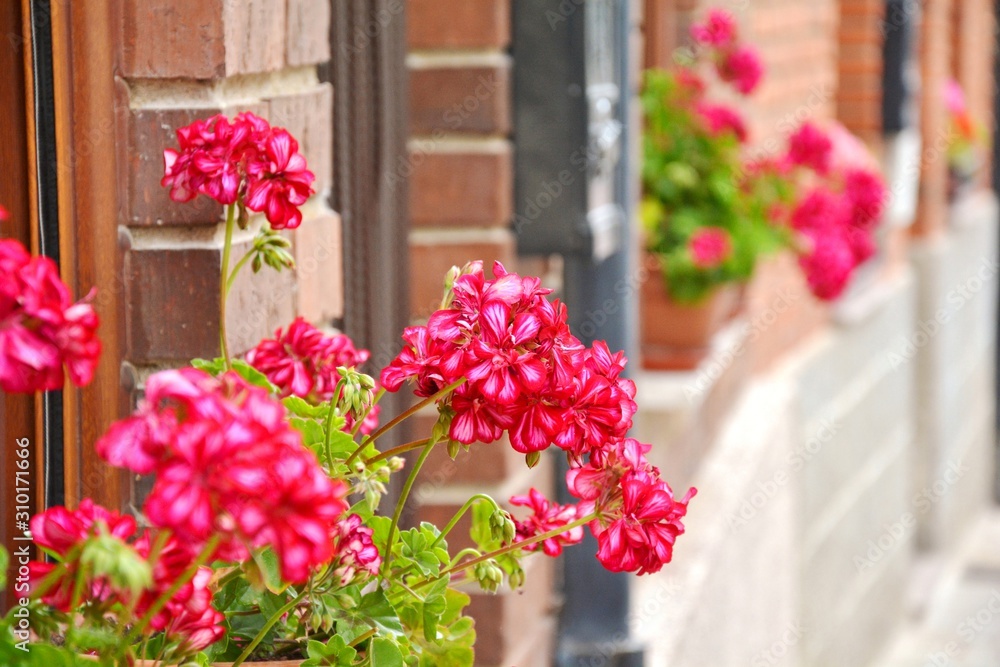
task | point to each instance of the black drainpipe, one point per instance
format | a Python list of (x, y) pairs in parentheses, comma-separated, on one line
[(46, 175)]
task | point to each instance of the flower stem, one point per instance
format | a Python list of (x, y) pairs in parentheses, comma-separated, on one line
[(361, 420), (275, 617), (224, 284), (507, 549), (328, 434), (399, 449), (403, 495), (402, 416), (236, 269), (185, 577), (460, 513), (362, 637)]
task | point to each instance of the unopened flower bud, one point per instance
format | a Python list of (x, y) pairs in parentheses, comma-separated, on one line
[(502, 526), (489, 575), (396, 463), (106, 556), (516, 578)]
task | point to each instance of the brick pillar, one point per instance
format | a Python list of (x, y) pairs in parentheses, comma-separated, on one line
[(859, 90), (935, 57), (461, 191), (461, 202), (188, 59)]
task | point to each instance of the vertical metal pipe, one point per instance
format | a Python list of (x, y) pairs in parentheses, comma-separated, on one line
[(602, 302), (46, 175)]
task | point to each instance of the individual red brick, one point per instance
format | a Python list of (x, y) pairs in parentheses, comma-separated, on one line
[(255, 35), (149, 132), (172, 298), (461, 24), (429, 262), (308, 39), (461, 188), (308, 115), (173, 39), (319, 268), (460, 99)]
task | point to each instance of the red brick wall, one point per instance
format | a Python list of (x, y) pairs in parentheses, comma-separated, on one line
[(187, 59)]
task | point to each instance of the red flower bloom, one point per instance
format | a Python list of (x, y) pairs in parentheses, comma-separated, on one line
[(41, 329), (743, 68), (61, 530), (227, 462), (546, 515), (188, 615), (500, 358), (718, 30), (243, 158), (721, 119), (828, 264), (600, 476), (710, 247), (820, 210), (355, 555), (866, 193), (641, 536), (811, 147), (303, 361)]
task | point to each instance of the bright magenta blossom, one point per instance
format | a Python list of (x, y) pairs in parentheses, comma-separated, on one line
[(710, 247), (61, 530), (811, 147), (41, 329), (546, 515), (721, 119), (227, 462), (188, 615), (244, 159), (526, 373), (355, 555), (718, 30), (640, 537), (743, 68)]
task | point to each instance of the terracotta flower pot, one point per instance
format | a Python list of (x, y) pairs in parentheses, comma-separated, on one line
[(678, 336)]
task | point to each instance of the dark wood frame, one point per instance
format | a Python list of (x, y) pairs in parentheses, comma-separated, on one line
[(84, 44)]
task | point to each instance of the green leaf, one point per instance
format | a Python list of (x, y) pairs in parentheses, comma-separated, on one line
[(433, 608), (270, 570), (385, 653), (213, 366), (302, 408), (335, 653), (252, 375)]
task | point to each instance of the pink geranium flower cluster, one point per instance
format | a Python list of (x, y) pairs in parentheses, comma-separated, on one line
[(526, 374), (710, 247), (41, 328), (837, 215), (243, 160), (736, 63), (228, 463), (354, 552), (187, 616), (302, 361)]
